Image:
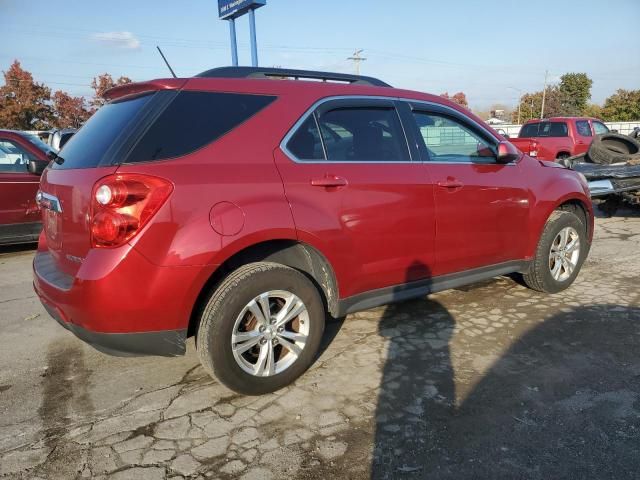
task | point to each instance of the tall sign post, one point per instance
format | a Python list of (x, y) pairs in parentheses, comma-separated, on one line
[(232, 9)]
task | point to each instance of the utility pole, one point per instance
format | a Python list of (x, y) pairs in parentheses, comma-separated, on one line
[(544, 94), (357, 59)]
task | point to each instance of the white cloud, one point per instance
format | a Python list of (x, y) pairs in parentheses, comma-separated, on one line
[(125, 40)]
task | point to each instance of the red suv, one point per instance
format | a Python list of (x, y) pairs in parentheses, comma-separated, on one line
[(242, 207)]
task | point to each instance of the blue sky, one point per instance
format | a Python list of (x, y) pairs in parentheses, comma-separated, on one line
[(488, 49)]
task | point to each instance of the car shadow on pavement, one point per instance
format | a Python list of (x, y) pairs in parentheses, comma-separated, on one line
[(562, 402)]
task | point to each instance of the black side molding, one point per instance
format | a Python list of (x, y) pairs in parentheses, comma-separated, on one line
[(399, 293)]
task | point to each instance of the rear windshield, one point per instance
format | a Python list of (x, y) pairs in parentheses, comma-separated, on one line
[(158, 126), (88, 147), (544, 129)]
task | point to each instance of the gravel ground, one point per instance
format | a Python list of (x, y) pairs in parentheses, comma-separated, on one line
[(487, 381)]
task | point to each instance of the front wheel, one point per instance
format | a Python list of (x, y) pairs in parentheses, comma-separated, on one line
[(261, 328), (561, 251)]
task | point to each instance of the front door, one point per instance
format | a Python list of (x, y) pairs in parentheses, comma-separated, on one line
[(356, 194), (19, 214), (481, 206)]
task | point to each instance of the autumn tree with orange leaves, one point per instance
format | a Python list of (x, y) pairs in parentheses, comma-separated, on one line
[(101, 84), (68, 111), (460, 98), (24, 103)]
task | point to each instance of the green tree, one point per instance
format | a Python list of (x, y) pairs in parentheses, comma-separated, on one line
[(24, 104), (531, 105), (575, 91), (622, 106), (593, 110)]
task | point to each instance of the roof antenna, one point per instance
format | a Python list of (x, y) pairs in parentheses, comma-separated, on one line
[(165, 61)]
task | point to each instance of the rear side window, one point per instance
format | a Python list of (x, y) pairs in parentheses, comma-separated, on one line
[(582, 126), (87, 148), (305, 144), (193, 120), (544, 129)]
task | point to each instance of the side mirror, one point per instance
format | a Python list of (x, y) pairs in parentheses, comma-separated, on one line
[(507, 153), (614, 131), (36, 167)]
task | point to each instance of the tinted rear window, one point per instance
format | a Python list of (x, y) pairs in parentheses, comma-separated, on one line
[(194, 119), (88, 147), (544, 129)]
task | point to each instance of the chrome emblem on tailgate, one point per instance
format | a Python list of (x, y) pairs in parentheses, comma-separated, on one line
[(48, 201)]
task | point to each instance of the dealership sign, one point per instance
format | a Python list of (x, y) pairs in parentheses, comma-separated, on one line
[(235, 8)]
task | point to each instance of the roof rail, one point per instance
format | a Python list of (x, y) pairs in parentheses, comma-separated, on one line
[(286, 73)]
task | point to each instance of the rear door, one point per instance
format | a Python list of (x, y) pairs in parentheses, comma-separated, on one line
[(481, 206), (583, 136), (355, 192), (19, 215)]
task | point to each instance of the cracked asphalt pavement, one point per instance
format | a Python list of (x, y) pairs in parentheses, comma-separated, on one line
[(487, 381)]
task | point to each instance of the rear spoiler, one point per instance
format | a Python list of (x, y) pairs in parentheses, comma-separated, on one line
[(140, 87)]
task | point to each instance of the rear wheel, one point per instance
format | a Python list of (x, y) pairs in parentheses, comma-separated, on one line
[(561, 251), (261, 328)]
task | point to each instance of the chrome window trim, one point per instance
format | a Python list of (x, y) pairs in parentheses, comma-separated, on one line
[(312, 109)]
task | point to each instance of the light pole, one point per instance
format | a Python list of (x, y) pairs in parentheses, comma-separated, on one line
[(519, 100)]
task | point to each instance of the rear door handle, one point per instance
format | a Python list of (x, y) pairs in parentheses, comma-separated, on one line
[(451, 184), (329, 181)]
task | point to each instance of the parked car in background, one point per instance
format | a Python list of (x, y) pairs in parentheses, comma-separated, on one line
[(558, 138), (59, 138), (23, 157), (243, 210)]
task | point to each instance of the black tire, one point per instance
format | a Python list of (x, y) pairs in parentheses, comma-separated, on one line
[(613, 148), (539, 276), (562, 156), (213, 340)]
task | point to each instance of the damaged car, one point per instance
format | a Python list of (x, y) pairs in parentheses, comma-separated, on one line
[(612, 169)]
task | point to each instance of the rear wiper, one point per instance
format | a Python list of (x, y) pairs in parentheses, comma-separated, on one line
[(51, 155)]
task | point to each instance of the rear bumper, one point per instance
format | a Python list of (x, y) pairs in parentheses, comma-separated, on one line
[(120, 303), (165, 343)]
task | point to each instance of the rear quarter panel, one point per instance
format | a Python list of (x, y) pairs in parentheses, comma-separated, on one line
[(238, 168)]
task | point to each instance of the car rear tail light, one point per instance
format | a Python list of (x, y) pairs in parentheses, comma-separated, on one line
[(122, 204), (533, 151)]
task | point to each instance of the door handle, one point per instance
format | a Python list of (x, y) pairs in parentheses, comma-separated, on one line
[(329, 181), (451, 184)]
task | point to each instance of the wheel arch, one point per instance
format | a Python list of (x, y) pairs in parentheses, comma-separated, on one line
[(292, 253), (571, 203)]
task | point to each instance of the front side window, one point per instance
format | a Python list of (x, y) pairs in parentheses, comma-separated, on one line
[(363, 134), (446, 139), (600, 128), (13, 158), (582, 126)]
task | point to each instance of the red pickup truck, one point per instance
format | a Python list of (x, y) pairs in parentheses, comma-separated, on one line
[(558, 137)]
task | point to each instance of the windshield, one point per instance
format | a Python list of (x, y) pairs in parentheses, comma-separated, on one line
[(34, 139)]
